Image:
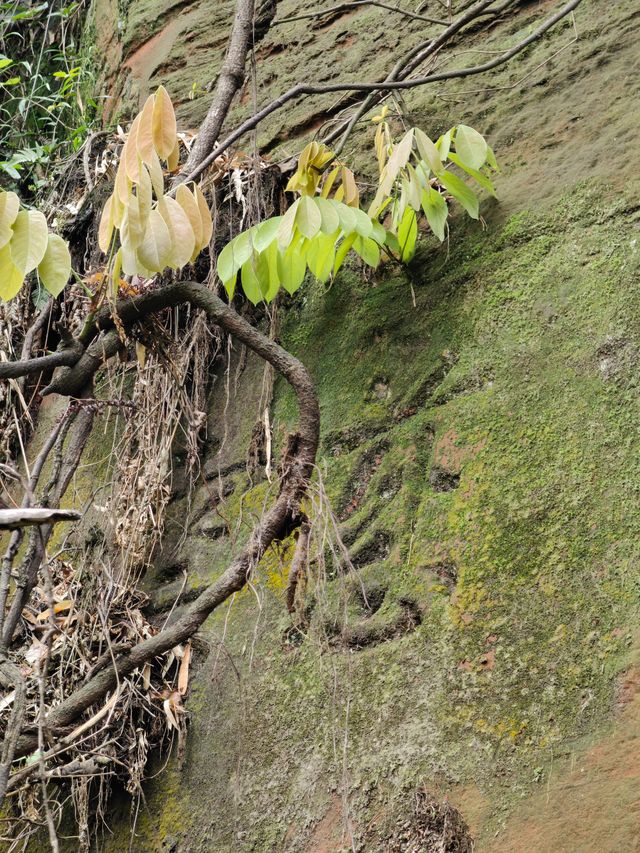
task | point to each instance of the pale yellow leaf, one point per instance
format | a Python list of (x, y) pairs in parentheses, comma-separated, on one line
[(173, 161), (188, 203), (183, 674), (11, 277), (122, 184), (29, 240), (9, 207), (205, 216), (144, 138), (105, 229), (130, 154), (145, 193), (55, 267), (141, 353), (163, 124), (182, 237), (157, 178), (134, 224), (154, 252)]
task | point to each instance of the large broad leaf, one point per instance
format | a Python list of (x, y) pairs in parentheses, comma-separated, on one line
[(408, 235), (232, 258), (343, 250), (428, 152), (130, 154), (155, 173), (9, 208), (320, 256), (347, 217), (436, 210), (273, 286), (173, 160), (134, 224), (368, 250), (287, 226), (55, 268), (183, 240), (364, 225), (292, 266), (155, 250), (461, 192), (188, 203), (144, 138), (255, 278), (471, 147), (11, 277), (478, 176), (329, 214), (308, 217), (29, 240), (163, 124), (122, 186), (266, 233)]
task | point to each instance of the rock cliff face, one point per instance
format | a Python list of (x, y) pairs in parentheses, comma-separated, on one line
[(480, 451)]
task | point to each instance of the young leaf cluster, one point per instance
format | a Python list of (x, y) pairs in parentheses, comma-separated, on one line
[(320, 229), (26, 245), (416, 178), (156, 231)]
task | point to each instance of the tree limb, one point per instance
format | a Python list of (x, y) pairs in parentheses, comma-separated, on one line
[(275, 523), (11, 519), (230, 80), (345, 7), (308, 89)]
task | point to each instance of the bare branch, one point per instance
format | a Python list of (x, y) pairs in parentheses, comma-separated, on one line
[(11, 519), (345, 7), (307, 89), (276, 523)]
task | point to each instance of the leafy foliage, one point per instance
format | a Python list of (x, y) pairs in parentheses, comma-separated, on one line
[(43, 114), (155, 230), (319, 230), (26, 245)]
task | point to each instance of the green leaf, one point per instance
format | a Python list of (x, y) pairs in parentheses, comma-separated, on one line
[(255, 276), (478, 176), (436, 210), (232, 257), (378, 232), (471, 147), (461, 192), (55, 267), (428, 152), (266, 233), (364, 225), (308, 217), (329, 214), (5, 62), (408, 235), (343, 251), (368, 250), (347, 216), (287, 225), (320, 256), (292, 266), (273, 282), (443, 144)]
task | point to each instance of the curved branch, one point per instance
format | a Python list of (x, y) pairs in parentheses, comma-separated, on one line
[(276, 523), (16, 369), (382, 86)]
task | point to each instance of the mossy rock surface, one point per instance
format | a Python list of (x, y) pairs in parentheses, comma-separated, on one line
[(480, 451)]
